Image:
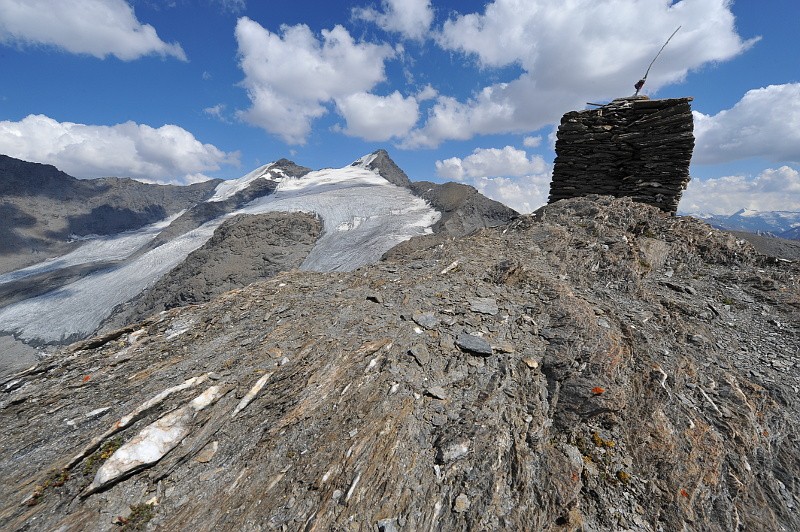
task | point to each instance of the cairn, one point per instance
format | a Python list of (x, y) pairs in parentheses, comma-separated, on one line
[(634, 147)]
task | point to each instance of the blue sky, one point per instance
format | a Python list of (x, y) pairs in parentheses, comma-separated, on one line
[(181, 90)]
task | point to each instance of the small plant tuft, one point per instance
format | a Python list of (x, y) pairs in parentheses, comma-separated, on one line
[(140, 515), (96, 459), (55, 479)]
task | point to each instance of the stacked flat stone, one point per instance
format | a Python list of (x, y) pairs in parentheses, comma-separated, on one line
[(633, 147)]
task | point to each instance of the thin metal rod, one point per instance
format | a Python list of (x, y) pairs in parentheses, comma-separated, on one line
[(659, 52)]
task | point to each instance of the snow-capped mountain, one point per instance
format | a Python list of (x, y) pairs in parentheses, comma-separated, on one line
[(783, 224), (363, 215)]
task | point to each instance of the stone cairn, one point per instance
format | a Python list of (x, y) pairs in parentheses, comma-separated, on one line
[(634, 147)]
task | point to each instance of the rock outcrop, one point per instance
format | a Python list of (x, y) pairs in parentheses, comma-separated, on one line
[(600, 365), (632, 147), (243, 250)]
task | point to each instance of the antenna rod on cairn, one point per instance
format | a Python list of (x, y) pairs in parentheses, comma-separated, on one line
[(640, 83)]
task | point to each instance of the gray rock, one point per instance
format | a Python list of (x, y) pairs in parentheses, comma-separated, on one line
[(436, 392), (474, 344), (604, 429), (425, 319), (484, 305)]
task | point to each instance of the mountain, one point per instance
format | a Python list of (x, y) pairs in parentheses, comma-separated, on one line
[(47, 213), (599, 365), (783, 224), (244, 249), (365, 209)]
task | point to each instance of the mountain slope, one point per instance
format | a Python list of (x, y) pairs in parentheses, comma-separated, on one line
[(244, 249), (463, 208), (44, 210), (366, 208), (598, 366)]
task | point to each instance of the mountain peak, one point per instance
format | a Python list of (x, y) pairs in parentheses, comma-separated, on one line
[(380, 162)]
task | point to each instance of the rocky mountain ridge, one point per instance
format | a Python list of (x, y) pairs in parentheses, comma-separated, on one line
[(365, 209), (596, 366)]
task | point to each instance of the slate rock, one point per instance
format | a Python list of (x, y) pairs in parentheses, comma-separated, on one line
[(474, 344)]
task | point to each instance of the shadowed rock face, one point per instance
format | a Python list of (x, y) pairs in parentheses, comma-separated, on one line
[(44, 208), (600, 366)]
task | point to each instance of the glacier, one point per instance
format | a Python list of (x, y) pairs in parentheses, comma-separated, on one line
[(363, 216), (96, 250)]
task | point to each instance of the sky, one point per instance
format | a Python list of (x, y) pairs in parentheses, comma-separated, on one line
[(179, 91)]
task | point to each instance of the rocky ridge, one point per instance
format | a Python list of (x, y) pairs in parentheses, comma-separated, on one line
[(243, 250), (53, 282), (597, 366)]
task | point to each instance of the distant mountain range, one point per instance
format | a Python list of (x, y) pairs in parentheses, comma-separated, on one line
[(783, 224), (74, 251)]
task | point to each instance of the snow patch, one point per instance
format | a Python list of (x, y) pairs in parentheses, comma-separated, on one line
[(365, 161), (228, 189)]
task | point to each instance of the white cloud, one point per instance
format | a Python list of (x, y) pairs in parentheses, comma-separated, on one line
[(571, 53), (506, 175), (427, 93), (523, 194), (167, 153), (96, 27), (764, 123), (290, 77), (772, 190), (483, 162), (532, 142), (216, 111), (378, 118), (411, 18)]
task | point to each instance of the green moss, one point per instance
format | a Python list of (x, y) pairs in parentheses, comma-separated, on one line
[(96, 459), (55, 478), (140, 515)]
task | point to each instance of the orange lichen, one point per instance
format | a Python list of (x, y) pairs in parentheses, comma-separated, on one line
[(684, 493), (86, 378), (597, 390)]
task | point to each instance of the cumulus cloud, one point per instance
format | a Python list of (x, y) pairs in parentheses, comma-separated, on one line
[(165, 154), (508, 161), (506, 174), (95, 27), (290, 77), (532, 142), (775, 189), (378, 118), (410, 18), (764, 123), (571, 53), (523, 194)]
